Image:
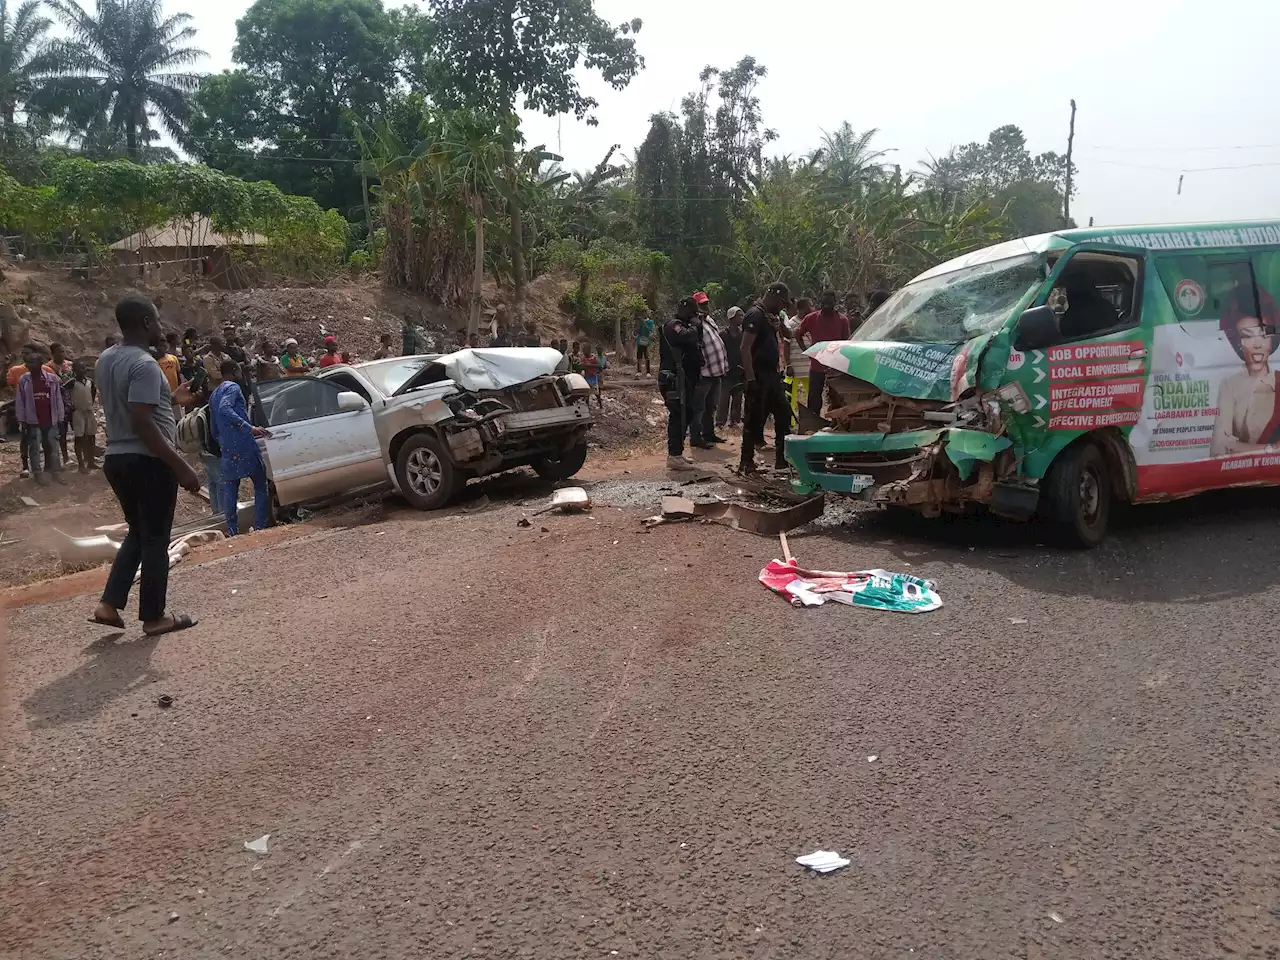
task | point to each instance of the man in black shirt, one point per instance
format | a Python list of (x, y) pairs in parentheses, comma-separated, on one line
[(762, 373), (680, 361)]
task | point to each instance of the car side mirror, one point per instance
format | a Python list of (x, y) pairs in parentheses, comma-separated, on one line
[(351, 402), (1037, 328)]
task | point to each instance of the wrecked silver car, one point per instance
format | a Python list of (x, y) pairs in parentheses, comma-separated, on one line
[(426, 424)]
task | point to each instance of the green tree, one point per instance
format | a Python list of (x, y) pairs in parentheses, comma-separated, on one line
[(498, 55), (1003, 172), (309, 69), (26, 62), (122, 62), (847, 162), (469, 156)]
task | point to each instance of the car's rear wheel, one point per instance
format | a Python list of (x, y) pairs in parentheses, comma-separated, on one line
[(1078, 492), (564, 465), (426, 475)]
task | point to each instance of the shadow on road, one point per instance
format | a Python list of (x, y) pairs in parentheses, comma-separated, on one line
[(114, 669), (1215, 546)]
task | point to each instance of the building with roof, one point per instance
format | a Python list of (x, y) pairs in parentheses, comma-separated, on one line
[(190, 247)]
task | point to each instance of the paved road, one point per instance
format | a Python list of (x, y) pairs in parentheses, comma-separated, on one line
[(470, 739)]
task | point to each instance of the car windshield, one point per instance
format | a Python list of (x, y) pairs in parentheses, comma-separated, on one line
[(958, 306), (390, 375)]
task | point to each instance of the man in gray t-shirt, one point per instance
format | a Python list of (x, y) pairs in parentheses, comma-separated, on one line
[(143, 467), (126, 374)]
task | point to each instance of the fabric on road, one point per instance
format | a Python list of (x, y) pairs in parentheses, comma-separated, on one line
[(466, 738)]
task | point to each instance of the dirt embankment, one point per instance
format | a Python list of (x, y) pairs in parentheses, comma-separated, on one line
[(48, 306)]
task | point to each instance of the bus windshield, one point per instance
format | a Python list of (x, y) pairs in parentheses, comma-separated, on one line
[(958, 306)]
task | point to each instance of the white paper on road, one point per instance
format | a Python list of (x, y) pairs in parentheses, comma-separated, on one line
[(822, 861), (497, 368), (259, 845)]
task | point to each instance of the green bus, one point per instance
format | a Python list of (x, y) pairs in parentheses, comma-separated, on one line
[(1055, 375)]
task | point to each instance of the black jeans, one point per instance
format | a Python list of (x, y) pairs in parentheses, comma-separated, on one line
[(817, 386), (679, 416), (642, 353), (148, 492), (766, 397), (705, 398)]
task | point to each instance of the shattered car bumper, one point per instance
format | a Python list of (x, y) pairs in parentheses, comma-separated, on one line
[(935, 470)]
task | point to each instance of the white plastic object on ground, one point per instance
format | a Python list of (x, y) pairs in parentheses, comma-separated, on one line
[(571, 498), (822, 861), (77, 550), (259, 845)]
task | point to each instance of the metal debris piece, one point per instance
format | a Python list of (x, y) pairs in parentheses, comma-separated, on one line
[(740, 516)]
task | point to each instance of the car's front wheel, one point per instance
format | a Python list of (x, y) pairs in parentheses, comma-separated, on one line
[(564, 465), (426, 475)]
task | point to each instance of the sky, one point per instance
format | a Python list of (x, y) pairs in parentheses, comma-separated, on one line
[(1182, 87)]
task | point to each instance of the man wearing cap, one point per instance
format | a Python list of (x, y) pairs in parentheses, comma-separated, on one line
[(821, 326), (292, 362), (331, 356), (762, 366), (715, 364)]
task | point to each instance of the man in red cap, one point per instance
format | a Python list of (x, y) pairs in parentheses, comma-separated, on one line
[(331, 356), (715, 366)]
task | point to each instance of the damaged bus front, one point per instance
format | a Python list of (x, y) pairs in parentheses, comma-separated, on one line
[(1060, 373), (919, 413)]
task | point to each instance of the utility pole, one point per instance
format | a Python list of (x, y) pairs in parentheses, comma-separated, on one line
[(1071, 141)]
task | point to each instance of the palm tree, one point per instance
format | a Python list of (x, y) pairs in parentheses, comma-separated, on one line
[(469, 154), (122, 62), (25, 59), (847, 160)]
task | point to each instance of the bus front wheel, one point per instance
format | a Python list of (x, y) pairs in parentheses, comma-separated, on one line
[(1078, 490)]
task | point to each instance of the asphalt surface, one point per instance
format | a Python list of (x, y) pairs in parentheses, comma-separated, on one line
[(467, 738)]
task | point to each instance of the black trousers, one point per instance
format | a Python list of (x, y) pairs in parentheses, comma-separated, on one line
[(817, 387), (766, 397), (680, 414), (148, 492)]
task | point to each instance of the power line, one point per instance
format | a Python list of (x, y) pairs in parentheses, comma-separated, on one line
[(1181, 149), (1145, 166)]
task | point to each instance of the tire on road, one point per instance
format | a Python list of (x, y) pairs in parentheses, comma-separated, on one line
[(568, 463), (1078, 494), (427, 477)]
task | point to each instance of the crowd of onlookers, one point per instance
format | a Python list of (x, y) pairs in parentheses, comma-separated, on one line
[(713, 376)]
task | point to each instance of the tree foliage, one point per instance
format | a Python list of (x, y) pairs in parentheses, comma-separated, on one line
[(309, 70), (494, 54), (120, 63), (26, 62), (1002, 171), (82, 203)]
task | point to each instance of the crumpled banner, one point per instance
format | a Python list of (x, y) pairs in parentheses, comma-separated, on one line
[(877, 589)]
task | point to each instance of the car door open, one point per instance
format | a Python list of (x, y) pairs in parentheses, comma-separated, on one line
[(322, 439)]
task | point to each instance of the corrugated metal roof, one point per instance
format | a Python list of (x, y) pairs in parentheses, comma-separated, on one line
[(186, 232)]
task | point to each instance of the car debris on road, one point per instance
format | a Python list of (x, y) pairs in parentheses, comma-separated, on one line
[(878, 589)]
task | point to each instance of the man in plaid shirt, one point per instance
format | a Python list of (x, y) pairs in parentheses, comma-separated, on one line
[(715, 365)]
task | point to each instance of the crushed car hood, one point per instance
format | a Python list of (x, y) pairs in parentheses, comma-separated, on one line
[(920, 371), (495, 368)]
